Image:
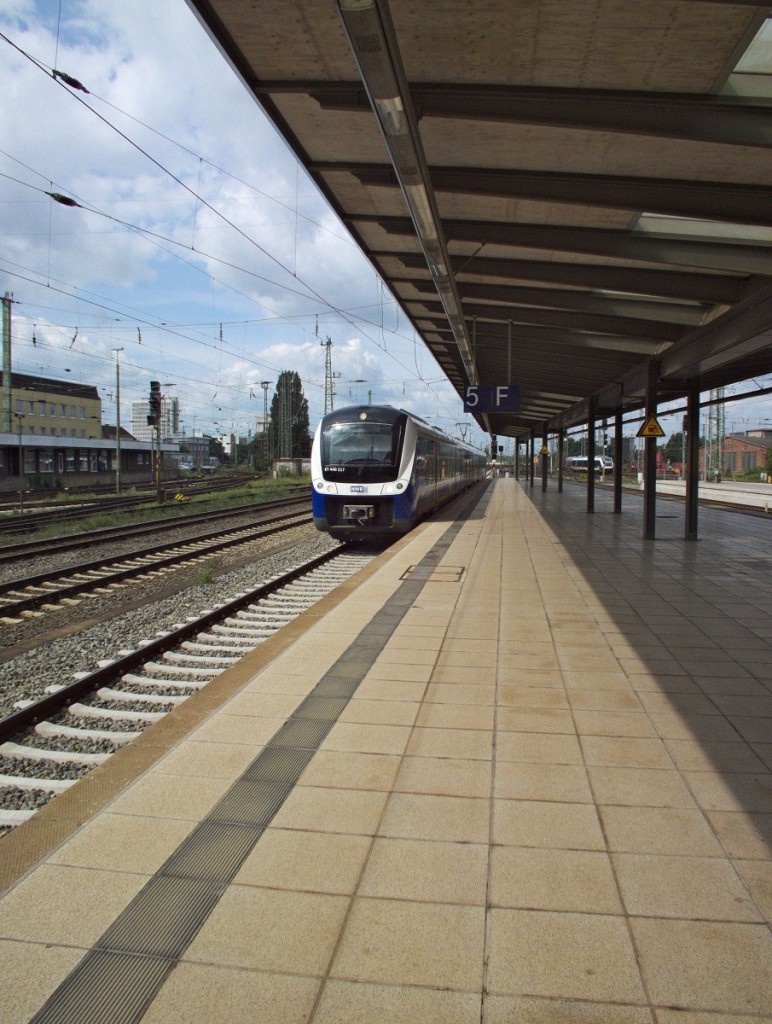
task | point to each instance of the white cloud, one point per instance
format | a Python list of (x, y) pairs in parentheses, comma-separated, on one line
[(239, 303)]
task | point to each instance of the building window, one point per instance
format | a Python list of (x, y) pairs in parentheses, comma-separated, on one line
[(72, 412), (70, 460), (51, 409), (29, 461), (41, 408), (62, 410), (31, 408), (83, 462), (46, 461), (749, 460), (83, 412), (19, 406)]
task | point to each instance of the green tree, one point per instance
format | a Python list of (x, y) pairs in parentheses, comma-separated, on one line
[(673, 449), (289, 427), (572, 446), (245, 453), (258, 451), (216, 450)]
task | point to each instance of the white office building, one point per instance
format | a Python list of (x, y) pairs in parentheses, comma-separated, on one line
[(170, 419)]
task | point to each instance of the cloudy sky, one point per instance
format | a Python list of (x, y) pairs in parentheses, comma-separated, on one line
[(199, 248)]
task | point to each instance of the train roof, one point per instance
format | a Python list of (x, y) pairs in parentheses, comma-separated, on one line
[(349, 410)]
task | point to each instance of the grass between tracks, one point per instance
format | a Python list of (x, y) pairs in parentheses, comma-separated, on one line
[(254, 492)]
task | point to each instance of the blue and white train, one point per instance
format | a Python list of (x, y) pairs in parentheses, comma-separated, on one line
[(578, 463), (376, 471)]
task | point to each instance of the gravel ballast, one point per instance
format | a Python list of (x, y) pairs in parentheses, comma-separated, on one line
[(25, 677)]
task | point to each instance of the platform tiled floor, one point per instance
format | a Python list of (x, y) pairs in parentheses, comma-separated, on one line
[(548, 801)]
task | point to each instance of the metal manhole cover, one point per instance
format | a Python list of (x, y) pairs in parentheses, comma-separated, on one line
[(435, 574)]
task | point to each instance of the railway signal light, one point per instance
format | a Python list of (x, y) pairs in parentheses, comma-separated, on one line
[(155, 403)]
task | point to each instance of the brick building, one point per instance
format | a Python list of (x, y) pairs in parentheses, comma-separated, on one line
[(746, 452)]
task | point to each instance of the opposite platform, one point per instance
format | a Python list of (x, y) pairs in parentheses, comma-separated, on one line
[(521, 773)]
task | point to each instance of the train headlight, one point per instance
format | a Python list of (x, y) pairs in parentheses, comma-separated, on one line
[(400, 486)]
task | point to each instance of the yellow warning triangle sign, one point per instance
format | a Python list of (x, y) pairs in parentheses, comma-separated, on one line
[(651, 428)]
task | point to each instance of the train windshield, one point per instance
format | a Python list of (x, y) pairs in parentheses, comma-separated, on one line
[(366, 452)]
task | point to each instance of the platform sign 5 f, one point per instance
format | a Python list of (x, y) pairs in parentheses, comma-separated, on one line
[(492, 398)]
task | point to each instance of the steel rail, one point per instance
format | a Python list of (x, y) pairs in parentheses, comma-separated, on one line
[(52, 704), (237, 536), (71, 542)]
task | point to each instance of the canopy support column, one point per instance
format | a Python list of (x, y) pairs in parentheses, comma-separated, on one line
[(650, 457), (692, 428), (618, 461), (591, 457), (544, 458)]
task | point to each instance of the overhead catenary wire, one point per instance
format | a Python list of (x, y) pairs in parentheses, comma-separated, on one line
[(165, 170), (69, 83), (156, 236)]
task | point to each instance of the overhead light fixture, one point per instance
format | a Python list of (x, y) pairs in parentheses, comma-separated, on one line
[(391, 114), (373, 42), (364, 28), (418, 200)]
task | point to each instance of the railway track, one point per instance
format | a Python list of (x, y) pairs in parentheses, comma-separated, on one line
[(39, 518), (704, 501), (47, 744), (43, 515), (19, 552), (46, 591)]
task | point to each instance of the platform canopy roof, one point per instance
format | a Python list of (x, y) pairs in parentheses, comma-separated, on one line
[(558, 192)]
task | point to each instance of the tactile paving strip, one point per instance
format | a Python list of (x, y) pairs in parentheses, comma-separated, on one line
[(119, 978)]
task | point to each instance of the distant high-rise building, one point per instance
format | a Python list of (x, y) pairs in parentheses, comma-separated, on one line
[(170, 419)]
